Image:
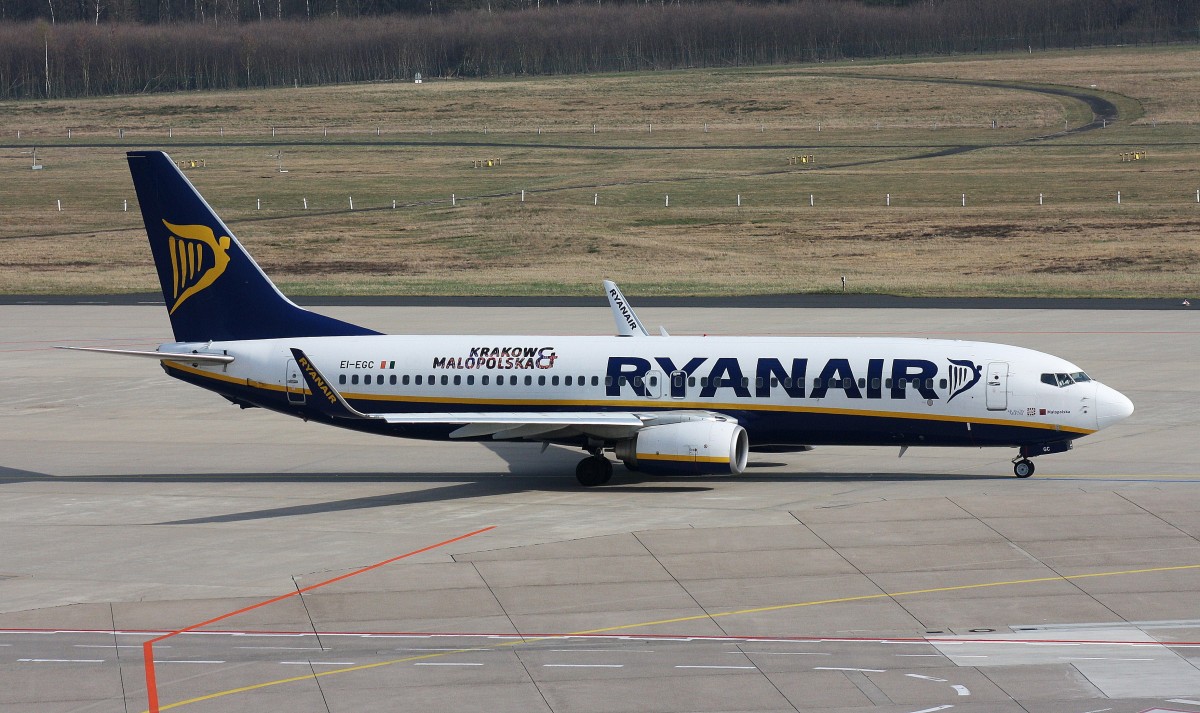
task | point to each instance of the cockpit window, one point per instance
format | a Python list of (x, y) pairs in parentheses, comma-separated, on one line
[(1061, 380)]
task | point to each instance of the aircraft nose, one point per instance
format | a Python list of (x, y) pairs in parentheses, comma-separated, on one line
[(1111, 406)]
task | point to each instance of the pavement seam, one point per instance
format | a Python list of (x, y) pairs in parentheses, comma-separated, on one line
[(496, 598), (861, 573), (680, 584), (1040, 561)]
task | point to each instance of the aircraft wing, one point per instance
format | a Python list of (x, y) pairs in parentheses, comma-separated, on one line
[(500, 425)]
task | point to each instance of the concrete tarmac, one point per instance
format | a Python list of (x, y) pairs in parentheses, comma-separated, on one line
[(132, 505)]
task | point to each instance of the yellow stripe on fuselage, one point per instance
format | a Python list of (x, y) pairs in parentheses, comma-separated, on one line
[(672, 405)]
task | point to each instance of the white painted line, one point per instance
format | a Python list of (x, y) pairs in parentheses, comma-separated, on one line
[(281, 648), (606, 651), (931, 710), (1100, 710), (448, 663), (936, 656), (779, 653), (583, 665), (1141, 660), (1184, 701), (463, 648), (740, 668), (318, 663), (861, 670), (970, 656), (925, 678), (100, 646), (157, 661), (61, 660), (962, 690)]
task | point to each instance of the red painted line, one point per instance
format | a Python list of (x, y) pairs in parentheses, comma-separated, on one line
[(148, 646)]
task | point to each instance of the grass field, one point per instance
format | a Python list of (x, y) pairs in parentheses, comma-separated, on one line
[(595, 199)]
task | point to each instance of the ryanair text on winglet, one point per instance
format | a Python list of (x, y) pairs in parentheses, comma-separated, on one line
[(316, 380)]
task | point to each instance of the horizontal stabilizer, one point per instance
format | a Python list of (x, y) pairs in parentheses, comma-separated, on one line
[(193, 357)]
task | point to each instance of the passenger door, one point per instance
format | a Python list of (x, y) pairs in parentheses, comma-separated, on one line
[(997, 386)]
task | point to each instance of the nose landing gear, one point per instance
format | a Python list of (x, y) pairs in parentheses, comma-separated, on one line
[(1022, 467)]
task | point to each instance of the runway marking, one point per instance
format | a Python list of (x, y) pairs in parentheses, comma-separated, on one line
[(962, 690), (887, 595), (61, 660), (740, 668), (779, 607), (581, 665), (860, 670), (283, 648), (925, 678), (933, 710), (780, 653), (436, 663), (1184, 701), (148, 646), (183, 661), (317, 663)]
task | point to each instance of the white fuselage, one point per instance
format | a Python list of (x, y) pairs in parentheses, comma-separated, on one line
[(812, 391)]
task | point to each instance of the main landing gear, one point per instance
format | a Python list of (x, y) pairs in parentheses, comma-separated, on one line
[(1022, 467), (594, 470)]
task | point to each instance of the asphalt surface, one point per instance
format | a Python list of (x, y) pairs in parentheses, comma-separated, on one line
[(133, 506)]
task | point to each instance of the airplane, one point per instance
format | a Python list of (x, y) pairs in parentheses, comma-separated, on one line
[(661, 404)]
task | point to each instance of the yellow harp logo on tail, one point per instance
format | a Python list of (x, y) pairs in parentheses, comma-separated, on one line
[(198, 258)]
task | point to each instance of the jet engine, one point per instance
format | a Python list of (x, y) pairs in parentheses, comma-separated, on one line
[(701, 447)]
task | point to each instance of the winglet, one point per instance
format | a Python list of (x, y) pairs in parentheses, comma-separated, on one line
[(628, 324), (325, 397)]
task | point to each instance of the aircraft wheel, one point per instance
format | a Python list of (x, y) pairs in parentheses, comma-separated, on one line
[(593, 471), (1023, 468)]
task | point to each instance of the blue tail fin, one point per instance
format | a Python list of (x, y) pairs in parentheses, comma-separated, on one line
[(213, 288)]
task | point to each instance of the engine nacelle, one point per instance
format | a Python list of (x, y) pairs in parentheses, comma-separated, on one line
[(699, 447)]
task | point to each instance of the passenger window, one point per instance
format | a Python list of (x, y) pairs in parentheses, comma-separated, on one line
[(847, 383), (512, 380), (367, 379), (816, 382), (774, 381), (567, 380), (887, 383), (596, 380), (404, 380), (484, 380), (445, 379), (341, 378), (554, 380), (607, 381), (874, 383), (621, 380), (787, 382), (745, 381), (691, 381), (470, 379), (942, 384), (457, 380), (528, 380), (418, 380), (541, 381), (392, 380), (354, 379), (862, 383), (758, 382), (929, 383)]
